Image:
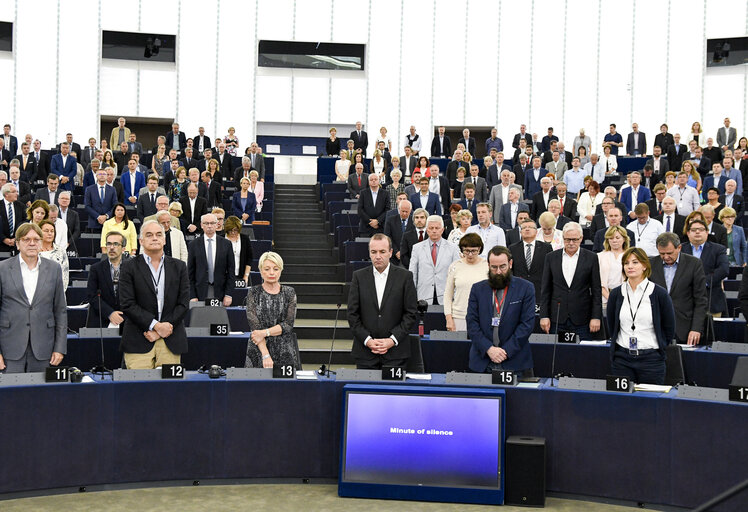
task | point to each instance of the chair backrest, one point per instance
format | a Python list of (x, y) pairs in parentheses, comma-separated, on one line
[(207, 315), (415, 361), (674, 372)]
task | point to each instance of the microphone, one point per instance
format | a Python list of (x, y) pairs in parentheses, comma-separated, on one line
[(75, 247), (101, 368), (326, 371), (555, 342), (709, 316)]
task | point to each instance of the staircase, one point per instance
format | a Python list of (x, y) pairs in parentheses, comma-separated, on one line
[(311, 267)]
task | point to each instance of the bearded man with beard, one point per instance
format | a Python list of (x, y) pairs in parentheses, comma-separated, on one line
[(500, 318)]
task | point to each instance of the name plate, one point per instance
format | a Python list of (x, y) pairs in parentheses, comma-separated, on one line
[(219, 329), (393, 373), (240, 283), (56, 374), (618, 384), (215, 303), (172, 371), (286, 371), (504, 377), (737, 393), (568, 337)]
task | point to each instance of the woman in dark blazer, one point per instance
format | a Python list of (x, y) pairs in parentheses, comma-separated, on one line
[(244, 203), (641, 322), (242, 248)]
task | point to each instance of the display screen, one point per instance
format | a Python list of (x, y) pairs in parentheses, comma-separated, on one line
[(422, 440), (311, 55)]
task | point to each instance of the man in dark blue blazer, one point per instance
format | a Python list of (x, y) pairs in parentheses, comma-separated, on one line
[(99, 201), (103, 278), (181, 140), (432, 204), (511, 206), (65, 166), (500, 339), (132, 181), (533, 177), (714, 260), (643, 194), (468, 202), (716, 180), (733, 200)]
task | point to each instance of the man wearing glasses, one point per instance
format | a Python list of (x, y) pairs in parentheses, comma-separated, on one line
[(154, 296), (714, 260), (103, 281), (33, 315), (210, 264), (571, 294)]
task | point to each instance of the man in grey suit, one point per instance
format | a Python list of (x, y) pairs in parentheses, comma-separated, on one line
[(727, 136), (481, 189), (33, 314), (430, 261), (257, 161), (357, 181), (500, 194)]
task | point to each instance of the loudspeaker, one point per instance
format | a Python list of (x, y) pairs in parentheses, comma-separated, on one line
[(525, 471), (740, 375)]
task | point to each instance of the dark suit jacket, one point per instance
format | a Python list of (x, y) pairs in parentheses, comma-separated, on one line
[(653, 210), (100, 279), (653, 180), (201, 208), (24, 191), (19, 217), (393, 228), (12, 147), (433, 205), (137, 297), (368, 210), (545, 142), (408, 240), (223, 269), (517, 136), (688, 293), (189, 164), (519, 265), (43, 194), (505, 216), (144, 207), (517, 323), (679, 222), (94, 206), (512, 237), (207, 143), (445, 200), (5, 155), (519, 173), (618, 204), (580, 302), (463, 203), (360, 142), (719, 233), (469, 144), (202, 191), (598, 223), (452, 167), (30, 168), (74, 225), (435, 147), (70, 169), (214, 194), (395, 317), (599, 239), (182, 139), (493, 175), (738, 204), (353, 188), (538, 206), (119, 190), (716, 269), (86, 155), (225, 166), (664, 141), (250, 208), (675, 160), (642, 143), (643, 196), (570, 208), (662, 312)]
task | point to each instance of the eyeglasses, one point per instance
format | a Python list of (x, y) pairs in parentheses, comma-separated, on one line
[(31, 240), (697, 230), (572, 240), (113, 244), (210, 223), (470, 251)]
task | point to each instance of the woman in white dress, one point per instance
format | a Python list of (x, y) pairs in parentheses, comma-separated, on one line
[(342, 166), (588, 202), (616, 242)]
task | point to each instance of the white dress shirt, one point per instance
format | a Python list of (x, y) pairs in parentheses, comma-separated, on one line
[(380, 282), (644, 333), (646, 234), (569, 266), (30, 277), (491, 236)]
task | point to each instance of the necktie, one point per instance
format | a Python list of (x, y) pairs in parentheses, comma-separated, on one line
[(359, 180), (562, 204), (528, 256), (405, 222), (469, 204), (101, 194), (153, 200), (433, 252), (667, 226), (11, 221), (210, 260), (420, 235), (475, 180)]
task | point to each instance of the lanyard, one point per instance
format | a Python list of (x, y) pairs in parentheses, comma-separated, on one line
[(496, 302), (639, 233), (157, 279), (633, 314)]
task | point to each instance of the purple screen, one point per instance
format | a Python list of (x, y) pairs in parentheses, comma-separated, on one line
[(422, 440)]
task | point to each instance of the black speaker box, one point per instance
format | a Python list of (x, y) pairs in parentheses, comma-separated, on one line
[(525, 471)]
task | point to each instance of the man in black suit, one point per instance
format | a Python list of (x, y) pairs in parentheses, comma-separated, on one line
[(717, 232), (242, 171), (146, 205), (201, 142), (659, 163), (27, 163), (74, 146), (456, 163), (493, 173), (469, 201), (412, 236), (545, 143), (360, 139), (521, 135), (671, 221), (193, 208), (733, 200), (12, 215), (649, 179), (571, 294), (257, 161), (88, 153), (5, 157), (675, 153), (614, 218), (397, 225), (441, 145), (14, 177), (41, 167), (658, 196), (154, 297), (663, 139), (568, 204), (224, 160), (714, 260), (381, 309), (533, 250), (554, 206), (214, 190), (439, 185), (468, 142), (103, 281), (11, 142), (612, 193), (515, 235), (188, 162), (540, 199), (682, 275), (636, 142), (176, 139), (70, 217), (118, 188), (194, 178), (51, 193), (122, 156), (210, 279), (373, 204)]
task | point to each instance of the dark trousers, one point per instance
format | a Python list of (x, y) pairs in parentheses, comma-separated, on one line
[(582, 330), (646, 368), (376, 361)]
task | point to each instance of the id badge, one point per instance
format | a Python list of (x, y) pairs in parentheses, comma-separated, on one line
[(680, 205), (495, 321), (633, 343), (728, 251)]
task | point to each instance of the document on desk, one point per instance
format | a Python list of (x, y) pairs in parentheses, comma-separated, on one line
[(652, 388), (418, 376), (687, 347), (593, 342), (306, 375)]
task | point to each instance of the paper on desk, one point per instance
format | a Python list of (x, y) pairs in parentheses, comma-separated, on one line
[(593, 342), (306, 375), (723, 319), (235, 333), (418, 376), (653, 388), (79, 306), (686, 346), (86, 378)]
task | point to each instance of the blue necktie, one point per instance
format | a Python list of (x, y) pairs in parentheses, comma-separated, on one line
[(11, 221), (404, 223), (101, 194)]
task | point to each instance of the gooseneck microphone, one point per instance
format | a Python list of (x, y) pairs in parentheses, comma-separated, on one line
[(555, 342), (101, 367), (326, 371)]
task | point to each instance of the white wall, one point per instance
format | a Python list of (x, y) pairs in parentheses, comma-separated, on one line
[(429, 62)]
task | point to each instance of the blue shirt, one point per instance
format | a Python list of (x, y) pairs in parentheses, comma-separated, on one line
[(670, 273), (696, 250), (574, 180), (613, 137), (158, 280), (496, 143)]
